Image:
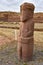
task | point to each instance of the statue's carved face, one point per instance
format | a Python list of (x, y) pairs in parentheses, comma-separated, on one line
[(25, 15)]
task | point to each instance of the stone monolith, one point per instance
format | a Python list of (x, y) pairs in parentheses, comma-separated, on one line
[(26, 38)]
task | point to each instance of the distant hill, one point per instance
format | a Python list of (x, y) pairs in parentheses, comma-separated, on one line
[(38, 17), (9, 16), (15, 17)]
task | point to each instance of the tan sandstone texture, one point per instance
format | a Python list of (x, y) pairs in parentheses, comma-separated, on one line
[(25, 38)]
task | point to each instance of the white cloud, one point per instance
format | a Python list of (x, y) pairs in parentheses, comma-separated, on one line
[(14, 5)]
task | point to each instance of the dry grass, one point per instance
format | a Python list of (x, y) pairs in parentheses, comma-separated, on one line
[(38, 25), (8, 51)]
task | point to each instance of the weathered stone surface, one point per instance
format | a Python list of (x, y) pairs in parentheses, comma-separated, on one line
[(26, 11), (26, 40), (27, 52)]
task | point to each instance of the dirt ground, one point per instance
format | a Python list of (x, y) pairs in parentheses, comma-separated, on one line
[(8, 48), (8, 51)]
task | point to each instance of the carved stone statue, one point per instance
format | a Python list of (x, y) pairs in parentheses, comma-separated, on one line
[(25, 38)]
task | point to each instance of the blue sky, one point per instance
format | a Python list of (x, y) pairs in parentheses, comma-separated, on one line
[(14, 5)]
